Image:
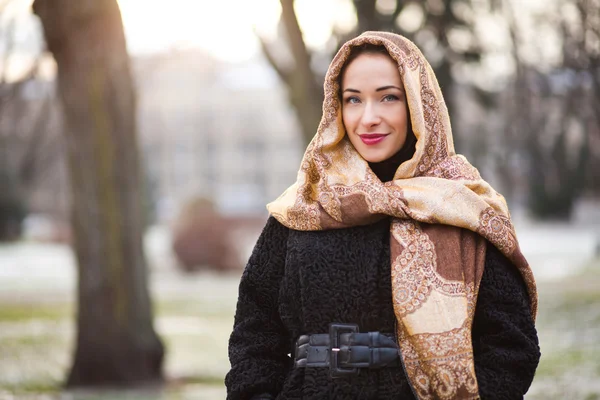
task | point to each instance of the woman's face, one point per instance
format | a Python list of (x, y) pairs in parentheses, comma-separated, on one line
[(374, 107)]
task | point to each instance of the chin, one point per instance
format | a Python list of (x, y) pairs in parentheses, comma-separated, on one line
[(375, 158)]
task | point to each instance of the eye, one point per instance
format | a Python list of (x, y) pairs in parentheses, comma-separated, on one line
[(352, 100), (390, 97)]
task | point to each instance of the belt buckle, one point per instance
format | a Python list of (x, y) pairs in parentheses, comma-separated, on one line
[(335, 329)]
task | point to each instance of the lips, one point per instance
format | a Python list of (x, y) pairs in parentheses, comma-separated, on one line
[(371, 139)]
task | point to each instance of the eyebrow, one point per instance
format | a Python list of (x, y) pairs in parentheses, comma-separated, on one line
[(377, 90)]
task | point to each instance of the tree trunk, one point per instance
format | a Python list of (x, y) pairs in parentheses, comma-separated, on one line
[(116, 341)]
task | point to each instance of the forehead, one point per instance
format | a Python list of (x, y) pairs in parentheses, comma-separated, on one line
[(371, 68)]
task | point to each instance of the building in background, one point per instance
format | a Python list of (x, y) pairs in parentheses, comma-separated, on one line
[(224, 132)]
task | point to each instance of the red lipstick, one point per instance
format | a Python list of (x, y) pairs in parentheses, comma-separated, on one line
[(371, 139)]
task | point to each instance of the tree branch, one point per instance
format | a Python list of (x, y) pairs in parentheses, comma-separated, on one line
[(284, 75), (296, 40)]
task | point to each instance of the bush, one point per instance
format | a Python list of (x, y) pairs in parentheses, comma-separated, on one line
[(202, 239)]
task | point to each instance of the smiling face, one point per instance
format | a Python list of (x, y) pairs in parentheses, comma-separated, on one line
[(374, 109)]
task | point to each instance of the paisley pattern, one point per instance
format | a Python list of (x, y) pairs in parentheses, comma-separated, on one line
[(498, 230), (454, 375), (456, 168), (414, 269), (335, 188)]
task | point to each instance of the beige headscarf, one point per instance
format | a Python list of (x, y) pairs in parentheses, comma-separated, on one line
[(441, 210)]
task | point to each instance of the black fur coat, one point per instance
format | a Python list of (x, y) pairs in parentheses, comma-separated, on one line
[(299, 282)]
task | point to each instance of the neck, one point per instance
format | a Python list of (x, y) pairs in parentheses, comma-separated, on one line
[(385, 170)]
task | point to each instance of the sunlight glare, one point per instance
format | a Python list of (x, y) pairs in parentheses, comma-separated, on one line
[(317, 18), (226, 28)]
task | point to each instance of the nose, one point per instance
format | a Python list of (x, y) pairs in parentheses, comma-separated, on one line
[(370, 116)]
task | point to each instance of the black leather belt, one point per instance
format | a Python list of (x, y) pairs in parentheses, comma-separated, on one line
[(344, 350)]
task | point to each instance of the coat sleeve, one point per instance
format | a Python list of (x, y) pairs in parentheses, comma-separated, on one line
[(259, 344), (505, 341)]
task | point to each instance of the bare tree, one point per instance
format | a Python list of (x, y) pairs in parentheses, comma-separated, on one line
[(116, 341), (554, 115), (581, 49), (303, 84)]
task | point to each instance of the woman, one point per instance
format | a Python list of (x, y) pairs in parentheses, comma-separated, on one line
[(390, 269)]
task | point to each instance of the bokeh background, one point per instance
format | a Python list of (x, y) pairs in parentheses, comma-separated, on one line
[(174, 122)]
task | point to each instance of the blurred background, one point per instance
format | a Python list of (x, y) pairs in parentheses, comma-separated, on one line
[(141, 139)]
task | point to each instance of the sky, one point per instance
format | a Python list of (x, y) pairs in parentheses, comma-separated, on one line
[(226, 28)]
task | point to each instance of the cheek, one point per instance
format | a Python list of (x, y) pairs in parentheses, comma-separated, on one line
[(400, 120), (346, 116), (347, 120)]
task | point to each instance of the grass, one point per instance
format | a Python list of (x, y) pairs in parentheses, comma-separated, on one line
[(569, 327), (560, 362), (36, 339), (19, 312), (34, 361)]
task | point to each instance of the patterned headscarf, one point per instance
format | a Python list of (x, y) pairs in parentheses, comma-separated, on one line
[(441, 212)]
